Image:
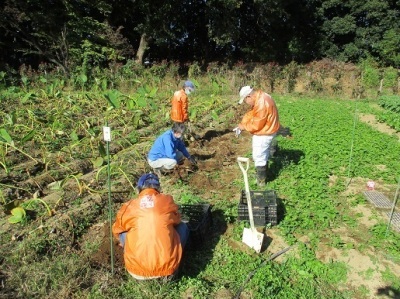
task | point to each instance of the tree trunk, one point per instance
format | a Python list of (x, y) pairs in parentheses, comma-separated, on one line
[(144, 41)]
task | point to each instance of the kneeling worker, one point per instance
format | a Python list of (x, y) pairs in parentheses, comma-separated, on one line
[(150, 230), (169, 150)]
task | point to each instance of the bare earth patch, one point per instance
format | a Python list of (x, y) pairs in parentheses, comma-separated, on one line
[(381, 127), (365, 266)]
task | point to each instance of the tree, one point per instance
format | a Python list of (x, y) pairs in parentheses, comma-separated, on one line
[(148, 23), (388, 47), (34, 32), (59, 34), (353, 29), (81, 35)]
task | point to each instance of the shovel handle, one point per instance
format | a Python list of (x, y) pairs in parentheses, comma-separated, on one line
[(247, 189), (243, 160)]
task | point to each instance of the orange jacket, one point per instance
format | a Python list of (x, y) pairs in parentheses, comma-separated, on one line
[(179, 110), (152, 245), (263, 119)]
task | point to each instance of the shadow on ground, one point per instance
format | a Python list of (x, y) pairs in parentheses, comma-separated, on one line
[(197, 256)]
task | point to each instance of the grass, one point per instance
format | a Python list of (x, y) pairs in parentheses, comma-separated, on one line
[(52, 257)]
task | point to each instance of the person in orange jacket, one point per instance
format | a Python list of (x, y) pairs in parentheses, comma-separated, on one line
[(262, 121), (180, 103), (150, 230)]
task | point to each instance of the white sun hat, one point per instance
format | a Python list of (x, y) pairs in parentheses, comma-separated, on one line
[(244, 92)]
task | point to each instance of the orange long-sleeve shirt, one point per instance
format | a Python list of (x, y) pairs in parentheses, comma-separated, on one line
[(263, 119), (179, 109), (152, 245)]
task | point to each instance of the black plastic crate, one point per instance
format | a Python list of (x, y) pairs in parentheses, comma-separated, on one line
[(199, 219), (259, 215), (265, 209)]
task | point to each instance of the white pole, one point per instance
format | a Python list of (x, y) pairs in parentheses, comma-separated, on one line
[(396, 195), (107, 139)]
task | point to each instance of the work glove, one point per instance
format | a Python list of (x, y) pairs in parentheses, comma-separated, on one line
[(237, 131), (192, 160)]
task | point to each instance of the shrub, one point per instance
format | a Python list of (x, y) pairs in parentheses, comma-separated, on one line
[(370, 74)]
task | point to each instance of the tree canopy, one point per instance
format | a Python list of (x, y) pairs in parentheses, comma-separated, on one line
[(84, 34)]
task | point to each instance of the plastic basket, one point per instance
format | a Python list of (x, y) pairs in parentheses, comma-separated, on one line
[(265, 209), (199, 220)]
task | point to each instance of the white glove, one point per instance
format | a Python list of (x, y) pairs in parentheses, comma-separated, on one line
[(237, 131)]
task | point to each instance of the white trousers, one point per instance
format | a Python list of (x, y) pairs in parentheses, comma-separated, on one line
[(166, 163), (261, 145)]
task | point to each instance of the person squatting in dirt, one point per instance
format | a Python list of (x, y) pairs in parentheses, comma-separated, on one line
[(169, 150), (262, 121), (150, 230), (180, 103)]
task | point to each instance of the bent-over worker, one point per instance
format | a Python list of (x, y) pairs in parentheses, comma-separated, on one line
[(150, 230)]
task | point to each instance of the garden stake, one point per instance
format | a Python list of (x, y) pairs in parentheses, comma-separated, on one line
[(352, 145), (107, 139), (396, 195)]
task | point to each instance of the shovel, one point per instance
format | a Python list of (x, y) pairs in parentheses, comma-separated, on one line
[(251, 237)]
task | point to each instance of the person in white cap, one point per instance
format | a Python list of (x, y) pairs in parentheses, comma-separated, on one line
[(262, 121)]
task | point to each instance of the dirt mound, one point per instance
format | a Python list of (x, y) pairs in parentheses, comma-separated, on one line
[(102, 257), (214, 150)]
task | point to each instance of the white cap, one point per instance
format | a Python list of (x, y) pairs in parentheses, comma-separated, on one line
[(244, 92)]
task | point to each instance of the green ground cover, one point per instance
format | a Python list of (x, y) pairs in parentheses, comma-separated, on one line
[(328, 141)]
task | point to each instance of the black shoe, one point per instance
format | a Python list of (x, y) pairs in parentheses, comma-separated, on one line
[(261, 175)]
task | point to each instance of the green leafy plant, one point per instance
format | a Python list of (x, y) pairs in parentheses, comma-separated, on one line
[(188, 198), (290, 72), (59, 185), (114, 169), (112, 96), (391, 103), (31, 202), (390, 77), (6, 139), (370, 74), (81, 80), (18, 215)]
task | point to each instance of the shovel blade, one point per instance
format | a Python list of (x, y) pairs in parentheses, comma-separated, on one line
[(253, 239)]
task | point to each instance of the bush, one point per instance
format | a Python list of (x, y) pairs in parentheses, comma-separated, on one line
[(391, 103), (390, 77), (370, 74)]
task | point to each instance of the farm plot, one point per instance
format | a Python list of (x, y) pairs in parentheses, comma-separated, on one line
[(61, 245)]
